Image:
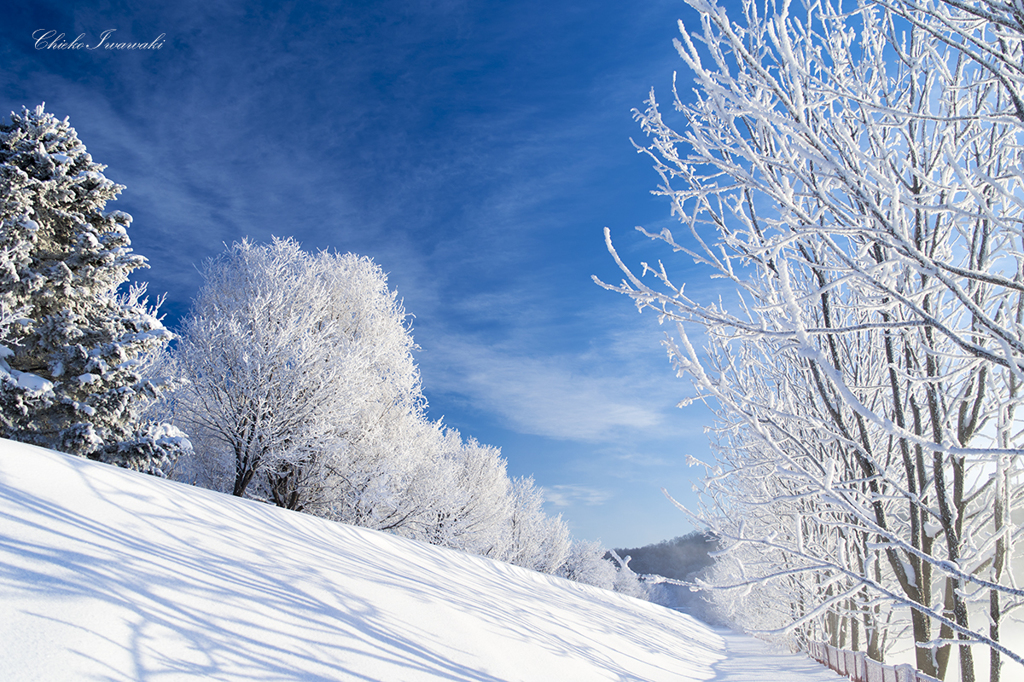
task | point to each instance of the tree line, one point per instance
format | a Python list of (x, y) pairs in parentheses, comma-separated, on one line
[(854, 172), (293, 374)]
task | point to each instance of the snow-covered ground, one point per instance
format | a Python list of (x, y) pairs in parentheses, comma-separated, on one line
[(110, 575)]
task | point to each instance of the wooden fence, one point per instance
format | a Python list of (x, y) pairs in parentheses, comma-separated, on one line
[(858, 667)]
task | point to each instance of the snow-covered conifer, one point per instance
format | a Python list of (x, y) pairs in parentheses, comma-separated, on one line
[(73, 344)]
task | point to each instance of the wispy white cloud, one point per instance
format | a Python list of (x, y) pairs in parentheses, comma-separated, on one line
[(569, 495), (552, 396)]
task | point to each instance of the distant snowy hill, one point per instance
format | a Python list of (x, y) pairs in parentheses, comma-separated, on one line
[(106, 574)]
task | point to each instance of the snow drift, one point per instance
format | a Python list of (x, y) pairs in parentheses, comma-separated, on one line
[(109, 574)]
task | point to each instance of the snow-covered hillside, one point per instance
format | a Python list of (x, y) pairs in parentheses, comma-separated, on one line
[(108, 574)]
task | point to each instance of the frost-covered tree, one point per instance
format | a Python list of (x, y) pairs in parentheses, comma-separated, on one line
[(473, 499), (586, 564), (536, 541), (74, 345), (295, 366), (299, 387), (855, 172), (392, 478), (590, 563)]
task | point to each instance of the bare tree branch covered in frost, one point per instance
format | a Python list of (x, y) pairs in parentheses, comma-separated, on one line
[(300, 388), (74, 344), (857, 174)]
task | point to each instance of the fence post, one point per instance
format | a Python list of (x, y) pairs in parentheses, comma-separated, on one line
[(861, 667), (876, 671)]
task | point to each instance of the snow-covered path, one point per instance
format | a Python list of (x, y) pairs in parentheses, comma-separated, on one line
[(750, 660), (110, 575)]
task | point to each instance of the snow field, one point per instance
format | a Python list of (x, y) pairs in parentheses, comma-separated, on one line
[(106, 574)]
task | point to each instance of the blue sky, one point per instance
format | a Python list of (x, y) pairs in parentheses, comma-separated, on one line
[(476, 150)]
